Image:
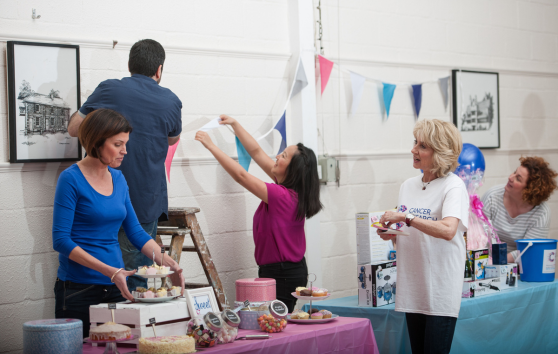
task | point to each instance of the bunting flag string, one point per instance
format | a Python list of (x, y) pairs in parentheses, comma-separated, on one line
[(417, 98), (281, 126), (358, 80), (388, 91), (357, 83)]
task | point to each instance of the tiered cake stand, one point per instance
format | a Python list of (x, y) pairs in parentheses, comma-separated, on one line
[(110, 347), (311, 298)]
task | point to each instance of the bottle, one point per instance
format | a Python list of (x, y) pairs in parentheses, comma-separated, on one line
[(508, 278), (468, 275)]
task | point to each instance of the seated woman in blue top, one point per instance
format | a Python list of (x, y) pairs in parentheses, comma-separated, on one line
[(90, 204)]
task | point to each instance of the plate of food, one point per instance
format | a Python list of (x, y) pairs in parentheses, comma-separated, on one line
[(154, 271), (321, 316), (389, 231), (155, 299), (313, 294)]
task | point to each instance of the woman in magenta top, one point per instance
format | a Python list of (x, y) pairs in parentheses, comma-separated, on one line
[(279, 220)]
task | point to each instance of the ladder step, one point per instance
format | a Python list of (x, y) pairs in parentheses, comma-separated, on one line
[(195, 285), (184, 248), (170, 232)]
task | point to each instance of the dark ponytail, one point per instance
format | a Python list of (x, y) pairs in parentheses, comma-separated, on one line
[(302, 177)]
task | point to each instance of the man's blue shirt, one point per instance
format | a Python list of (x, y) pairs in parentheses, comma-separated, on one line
[(155, 115)]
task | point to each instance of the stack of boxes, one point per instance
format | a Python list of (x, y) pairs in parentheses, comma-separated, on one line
[(482, 278), (377, 268)]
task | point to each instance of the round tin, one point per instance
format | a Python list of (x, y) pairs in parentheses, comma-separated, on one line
[(213, 322), (230, 318)]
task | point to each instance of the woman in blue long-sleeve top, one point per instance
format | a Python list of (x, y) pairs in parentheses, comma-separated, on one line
[(91, 203)]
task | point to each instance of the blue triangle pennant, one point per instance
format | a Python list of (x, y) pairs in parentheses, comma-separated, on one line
[(281, 126), (244, 158), (388, 91), (417, 97)]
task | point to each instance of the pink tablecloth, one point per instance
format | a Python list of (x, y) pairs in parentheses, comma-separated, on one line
[(345, 335)]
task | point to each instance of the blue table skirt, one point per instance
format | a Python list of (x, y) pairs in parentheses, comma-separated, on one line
[(521, 320)]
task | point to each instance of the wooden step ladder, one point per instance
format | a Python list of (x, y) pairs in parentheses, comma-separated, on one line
[(183, 222)]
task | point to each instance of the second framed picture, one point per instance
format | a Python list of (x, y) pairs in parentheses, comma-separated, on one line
[(201, 301), (476, 108)]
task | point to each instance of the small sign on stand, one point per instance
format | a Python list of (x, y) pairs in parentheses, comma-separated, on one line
[(152, 323), (112, 307)]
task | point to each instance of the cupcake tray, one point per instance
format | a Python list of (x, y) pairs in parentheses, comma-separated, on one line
[(310, 321), (156, 299)]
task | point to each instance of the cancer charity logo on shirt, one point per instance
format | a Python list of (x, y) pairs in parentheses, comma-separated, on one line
[(423, 213), (202, 305)]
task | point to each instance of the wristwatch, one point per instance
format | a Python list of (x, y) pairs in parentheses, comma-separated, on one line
[(408, 218)]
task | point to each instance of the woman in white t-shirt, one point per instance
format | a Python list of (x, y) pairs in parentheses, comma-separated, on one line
[(431, 261)]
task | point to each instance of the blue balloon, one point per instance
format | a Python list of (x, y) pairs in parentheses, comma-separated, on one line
[(471, 156)]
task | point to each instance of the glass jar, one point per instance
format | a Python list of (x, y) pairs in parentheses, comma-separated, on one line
[(206, 333), (231, 321), (275, 321)]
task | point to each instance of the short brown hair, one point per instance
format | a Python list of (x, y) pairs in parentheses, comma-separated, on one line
[(98, 126), (541, 182), (444, 138)]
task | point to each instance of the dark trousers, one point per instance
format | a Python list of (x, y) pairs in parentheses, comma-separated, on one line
[(72, 300), (430, 334), (288, 277)]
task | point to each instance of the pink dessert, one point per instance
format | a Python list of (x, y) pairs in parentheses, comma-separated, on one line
[(148, 295), (151, 271)]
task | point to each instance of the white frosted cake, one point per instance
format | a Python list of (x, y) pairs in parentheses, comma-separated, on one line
[(110, 331), (167, 345)]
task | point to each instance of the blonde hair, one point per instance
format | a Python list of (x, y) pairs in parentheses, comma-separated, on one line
[(444, 139)]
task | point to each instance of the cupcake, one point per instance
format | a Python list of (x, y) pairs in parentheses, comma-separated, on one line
[(326, 313), (319, 292), (317, 316), (303, 315), (295, 313), (306, 292), (151, 270), (148, 294), (161, 292), (142, 270), (299, 289)]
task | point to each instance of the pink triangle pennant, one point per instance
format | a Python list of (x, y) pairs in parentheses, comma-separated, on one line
[(325, 70), (170, 155)]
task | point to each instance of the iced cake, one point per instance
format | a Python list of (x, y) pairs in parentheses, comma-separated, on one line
[(110, 331), (167, 345)]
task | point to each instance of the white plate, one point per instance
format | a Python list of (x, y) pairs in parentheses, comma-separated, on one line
[(309, 321), (156, 299), (311, 298), (155, 275)]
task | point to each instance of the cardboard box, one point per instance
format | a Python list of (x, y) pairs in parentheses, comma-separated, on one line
[(505, 275), (377, 283), (478, 288), (370, 246), (479, 260)]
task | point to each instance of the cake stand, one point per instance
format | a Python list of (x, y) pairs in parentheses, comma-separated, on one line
[(155, 276), (311, 298), (110, 347)]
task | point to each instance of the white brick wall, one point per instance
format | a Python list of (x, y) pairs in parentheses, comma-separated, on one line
[(241, 70)]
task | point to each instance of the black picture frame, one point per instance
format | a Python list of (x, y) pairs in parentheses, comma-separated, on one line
[(476, 107), (41, 136)]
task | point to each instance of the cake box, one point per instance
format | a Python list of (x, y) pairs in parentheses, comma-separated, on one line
[(53, 336), (376, 283), (370, 246), (255, 290)]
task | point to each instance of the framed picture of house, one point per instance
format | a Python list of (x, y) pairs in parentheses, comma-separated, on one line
[(476, 108), (43, 92)]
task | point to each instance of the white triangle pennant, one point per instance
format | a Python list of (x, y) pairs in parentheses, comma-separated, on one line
[(444, 83), (301, 81), (357, 84)]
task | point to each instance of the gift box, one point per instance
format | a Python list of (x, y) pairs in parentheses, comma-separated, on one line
[(499, 253), (478, 288), (370, 246), (377, 283), (479, 260), (505, 275)]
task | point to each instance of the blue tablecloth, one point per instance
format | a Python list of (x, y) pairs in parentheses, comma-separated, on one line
[(521, 320)]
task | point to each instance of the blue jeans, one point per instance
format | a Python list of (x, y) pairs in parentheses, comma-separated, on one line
[(430, 334), (133, 258), (72, 300)]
